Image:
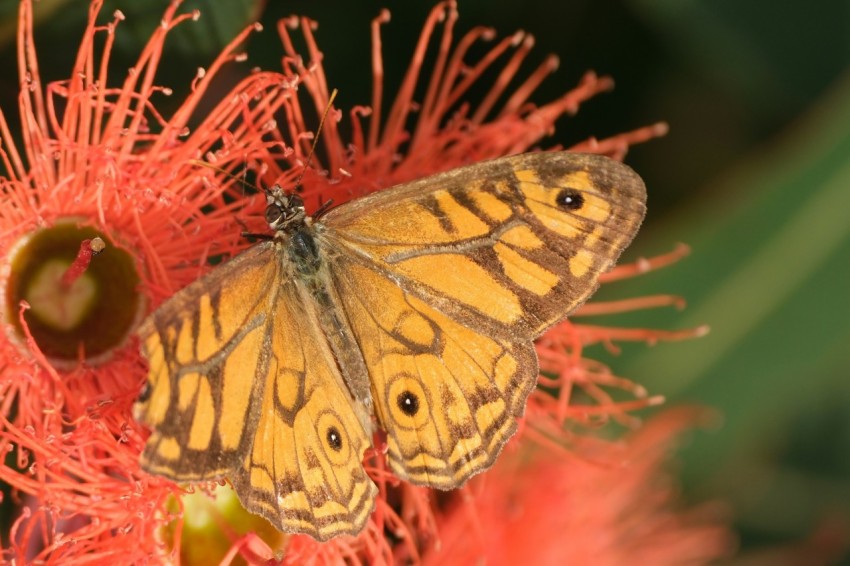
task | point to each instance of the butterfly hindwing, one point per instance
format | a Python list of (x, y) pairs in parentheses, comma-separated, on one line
[(243, 385), (447, 395), (304, 468)]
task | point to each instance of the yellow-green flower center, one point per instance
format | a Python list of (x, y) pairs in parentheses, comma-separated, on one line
[(214, 522), (68, 317), (57, 305)]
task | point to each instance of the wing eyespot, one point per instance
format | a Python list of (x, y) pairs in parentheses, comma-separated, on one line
[(334, 438), (570, 199), (408, 402), (145, 393)]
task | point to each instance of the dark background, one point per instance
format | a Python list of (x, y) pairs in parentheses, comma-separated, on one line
[(754, 176)]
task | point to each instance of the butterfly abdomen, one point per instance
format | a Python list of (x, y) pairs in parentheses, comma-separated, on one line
[(307, 260), (311, 272)]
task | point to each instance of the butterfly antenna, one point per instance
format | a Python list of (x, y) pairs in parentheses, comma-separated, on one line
[(243, 180), (245, 231), (316, 139)]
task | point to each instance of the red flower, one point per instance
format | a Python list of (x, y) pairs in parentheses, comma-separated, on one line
[(97, 159), (599, 503), (112, 163)]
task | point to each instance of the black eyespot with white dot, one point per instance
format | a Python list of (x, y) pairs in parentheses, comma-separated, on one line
[(408, 402), (334, 438), (570, 199), (145, 393)]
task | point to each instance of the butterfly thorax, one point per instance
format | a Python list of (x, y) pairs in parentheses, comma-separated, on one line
[(286, 215)]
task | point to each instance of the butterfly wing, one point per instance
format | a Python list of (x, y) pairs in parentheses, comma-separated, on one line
[(243, 385), (513, 244), (446, 394), (446, 281)]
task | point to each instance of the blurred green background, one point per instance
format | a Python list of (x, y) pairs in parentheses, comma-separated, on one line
[(754, 176)]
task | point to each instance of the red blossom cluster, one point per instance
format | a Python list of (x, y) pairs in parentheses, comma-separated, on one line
[(97, 151)]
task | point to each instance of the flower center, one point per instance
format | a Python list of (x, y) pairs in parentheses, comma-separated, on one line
[(77, 310), (57, 305), (212, 523)]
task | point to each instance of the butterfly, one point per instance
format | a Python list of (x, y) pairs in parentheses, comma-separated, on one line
[(412, 310)]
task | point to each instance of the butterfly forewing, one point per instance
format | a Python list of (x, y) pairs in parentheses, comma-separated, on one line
[(509, 246), (196, 406)]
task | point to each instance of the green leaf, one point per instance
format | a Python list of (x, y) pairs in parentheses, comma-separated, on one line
[(770, 273), (59, 23), (219, 23)]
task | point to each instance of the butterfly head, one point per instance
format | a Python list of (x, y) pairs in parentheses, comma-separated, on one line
[(284, 211)]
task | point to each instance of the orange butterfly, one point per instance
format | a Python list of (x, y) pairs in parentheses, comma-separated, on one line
[(412, 310)]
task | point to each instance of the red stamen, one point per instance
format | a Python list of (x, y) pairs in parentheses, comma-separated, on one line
[(523, 44), (617, 146), (629, 305), (643, 265)]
